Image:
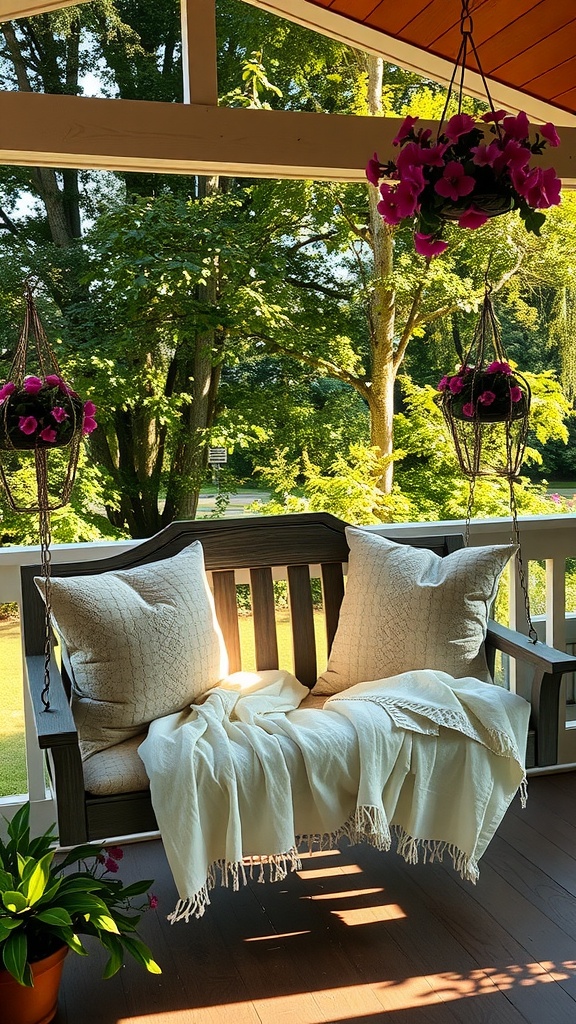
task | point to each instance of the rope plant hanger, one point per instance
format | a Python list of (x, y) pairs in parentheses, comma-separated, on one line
[(486, 406), (40, 412)]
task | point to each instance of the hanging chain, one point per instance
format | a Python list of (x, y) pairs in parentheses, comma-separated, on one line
[(471, 489), (46, 561), (467, 40), (516, 540)]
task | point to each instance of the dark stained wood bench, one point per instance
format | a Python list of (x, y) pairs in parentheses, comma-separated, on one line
[(259, 550)]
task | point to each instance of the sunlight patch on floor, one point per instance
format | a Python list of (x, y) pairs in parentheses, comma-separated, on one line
[(347, 869)]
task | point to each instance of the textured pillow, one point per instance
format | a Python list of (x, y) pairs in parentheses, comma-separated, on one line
[(407, 608), (142, 642)]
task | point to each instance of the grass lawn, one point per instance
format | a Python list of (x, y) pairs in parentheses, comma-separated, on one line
[(12, 754)]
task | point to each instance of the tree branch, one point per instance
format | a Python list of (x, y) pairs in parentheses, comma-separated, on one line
[(317, 288), (361, 385)]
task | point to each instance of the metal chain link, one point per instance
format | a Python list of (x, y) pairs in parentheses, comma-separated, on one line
[(46, 561)]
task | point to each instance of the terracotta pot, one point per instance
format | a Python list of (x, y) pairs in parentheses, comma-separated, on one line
[(20, 1004)]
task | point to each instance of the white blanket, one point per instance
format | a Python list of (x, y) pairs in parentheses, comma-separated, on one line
[(247, 776)]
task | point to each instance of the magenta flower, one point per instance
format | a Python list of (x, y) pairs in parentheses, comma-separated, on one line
[(53, 380), (414, 177), (48, 434), (7, 389), (116, 852), (485, 156), (427, 245), (110, 864), (153, 901), (387, 207), (472, 218), (513, 156), (468, 410), (517, 127), (442, 384), (28, 424), (412, 154), (89, 409), (548, 132), (498, 367), (373, 170), (59, 414), (494, 115), (434, 157), (487, 397), (459, 125), (404, 130), (541, 189), (32, 385), (89, 425), (454, 182), (456, 384), (516, 394)]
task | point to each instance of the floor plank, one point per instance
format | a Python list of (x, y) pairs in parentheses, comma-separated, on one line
[(359, 936)]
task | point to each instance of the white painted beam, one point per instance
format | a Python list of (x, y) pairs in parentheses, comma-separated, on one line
[(199, 51), (72, 131)]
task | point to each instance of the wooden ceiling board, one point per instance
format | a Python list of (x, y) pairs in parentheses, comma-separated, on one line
[(555, 80), (537, 60), (519, 34)]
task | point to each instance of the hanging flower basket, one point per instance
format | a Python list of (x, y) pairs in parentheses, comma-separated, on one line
[(42, 413), (494, 394)]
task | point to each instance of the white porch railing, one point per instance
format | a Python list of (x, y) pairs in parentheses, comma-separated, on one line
[(551, 539)]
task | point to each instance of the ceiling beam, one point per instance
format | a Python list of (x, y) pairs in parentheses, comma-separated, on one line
[(43, 130), (345, 30)]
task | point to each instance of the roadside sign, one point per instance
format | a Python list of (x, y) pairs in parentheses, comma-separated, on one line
[(217, 456)]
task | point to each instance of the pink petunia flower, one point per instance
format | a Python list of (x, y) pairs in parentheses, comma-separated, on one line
[(59, 414), (513, 156), (89, 409), (6, 390), (110, 864), (32, 385), (494, 115), (116, 852), (542, 188), (459, 124), (28, 424), (468, 410), (498, 367), (411, 155), (373, 170), (516, 394), (454, 183), (442, 384), (53, 380), (456, 384), (48, 434), (89, 425), (487, 397), (548, 132), (427, 245), (434, 157), (472, 218), (153, 901), (413, 175), (404, 130), (517, 127), (485, 155)]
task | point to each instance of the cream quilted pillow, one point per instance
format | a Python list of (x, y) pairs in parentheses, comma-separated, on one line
[(142, 642), (407, 608)]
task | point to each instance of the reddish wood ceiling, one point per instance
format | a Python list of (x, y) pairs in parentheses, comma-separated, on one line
[(526, 44)]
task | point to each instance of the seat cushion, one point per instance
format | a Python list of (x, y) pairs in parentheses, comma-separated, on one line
[(407, 608), (117, 769), (142, 643)]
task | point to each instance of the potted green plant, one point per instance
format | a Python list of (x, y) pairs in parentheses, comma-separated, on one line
[(47, 903)]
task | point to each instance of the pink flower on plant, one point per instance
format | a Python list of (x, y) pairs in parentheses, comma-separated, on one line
[(516, 394), (541, 189), (404, 130), (153, 901), (59, 414), (487, 397), (468, 410), (472, 218), (110, 864), (116, 852), (548, 132), (32, 385), (494, 115), (413, 175), (412, 154), (443, 383), (28, 424), (7, 389), (484, 156), (513, 156), (398, 203), (517, 127), (498, 367), (89, 425), (456, 384), (54, 381), (89, 409), (454, 183), (428, 245), (459, 124), (434, 157), (48, 434), (373, 170)]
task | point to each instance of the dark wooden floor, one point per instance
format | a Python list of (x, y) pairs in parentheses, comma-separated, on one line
[(359, 936)]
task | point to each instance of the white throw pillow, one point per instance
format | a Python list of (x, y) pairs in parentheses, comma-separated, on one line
[(142, 642), (408, 608)]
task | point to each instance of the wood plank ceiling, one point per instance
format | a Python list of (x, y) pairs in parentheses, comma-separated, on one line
[(528, 45)]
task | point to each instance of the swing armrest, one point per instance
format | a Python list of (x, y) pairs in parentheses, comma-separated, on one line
[(548, 668), (55, 727)]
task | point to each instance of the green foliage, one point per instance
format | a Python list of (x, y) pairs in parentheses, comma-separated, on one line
[(44, 906)]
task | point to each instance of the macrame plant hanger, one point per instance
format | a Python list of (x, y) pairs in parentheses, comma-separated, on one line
[(33, 351), (487, 413)]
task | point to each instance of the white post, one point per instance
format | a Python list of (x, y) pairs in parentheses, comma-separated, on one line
[(199, 52)]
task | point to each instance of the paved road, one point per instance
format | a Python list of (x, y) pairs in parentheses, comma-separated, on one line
[(236, 506)]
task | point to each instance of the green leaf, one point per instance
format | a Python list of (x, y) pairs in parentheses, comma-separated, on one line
[(34, 887), (56, 916), (14, 901), (141, 953), (7, 881), (115, 948), (103, 922), (137, 889), (7, 924), (84, 852), (15, 954), (71, 940)]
